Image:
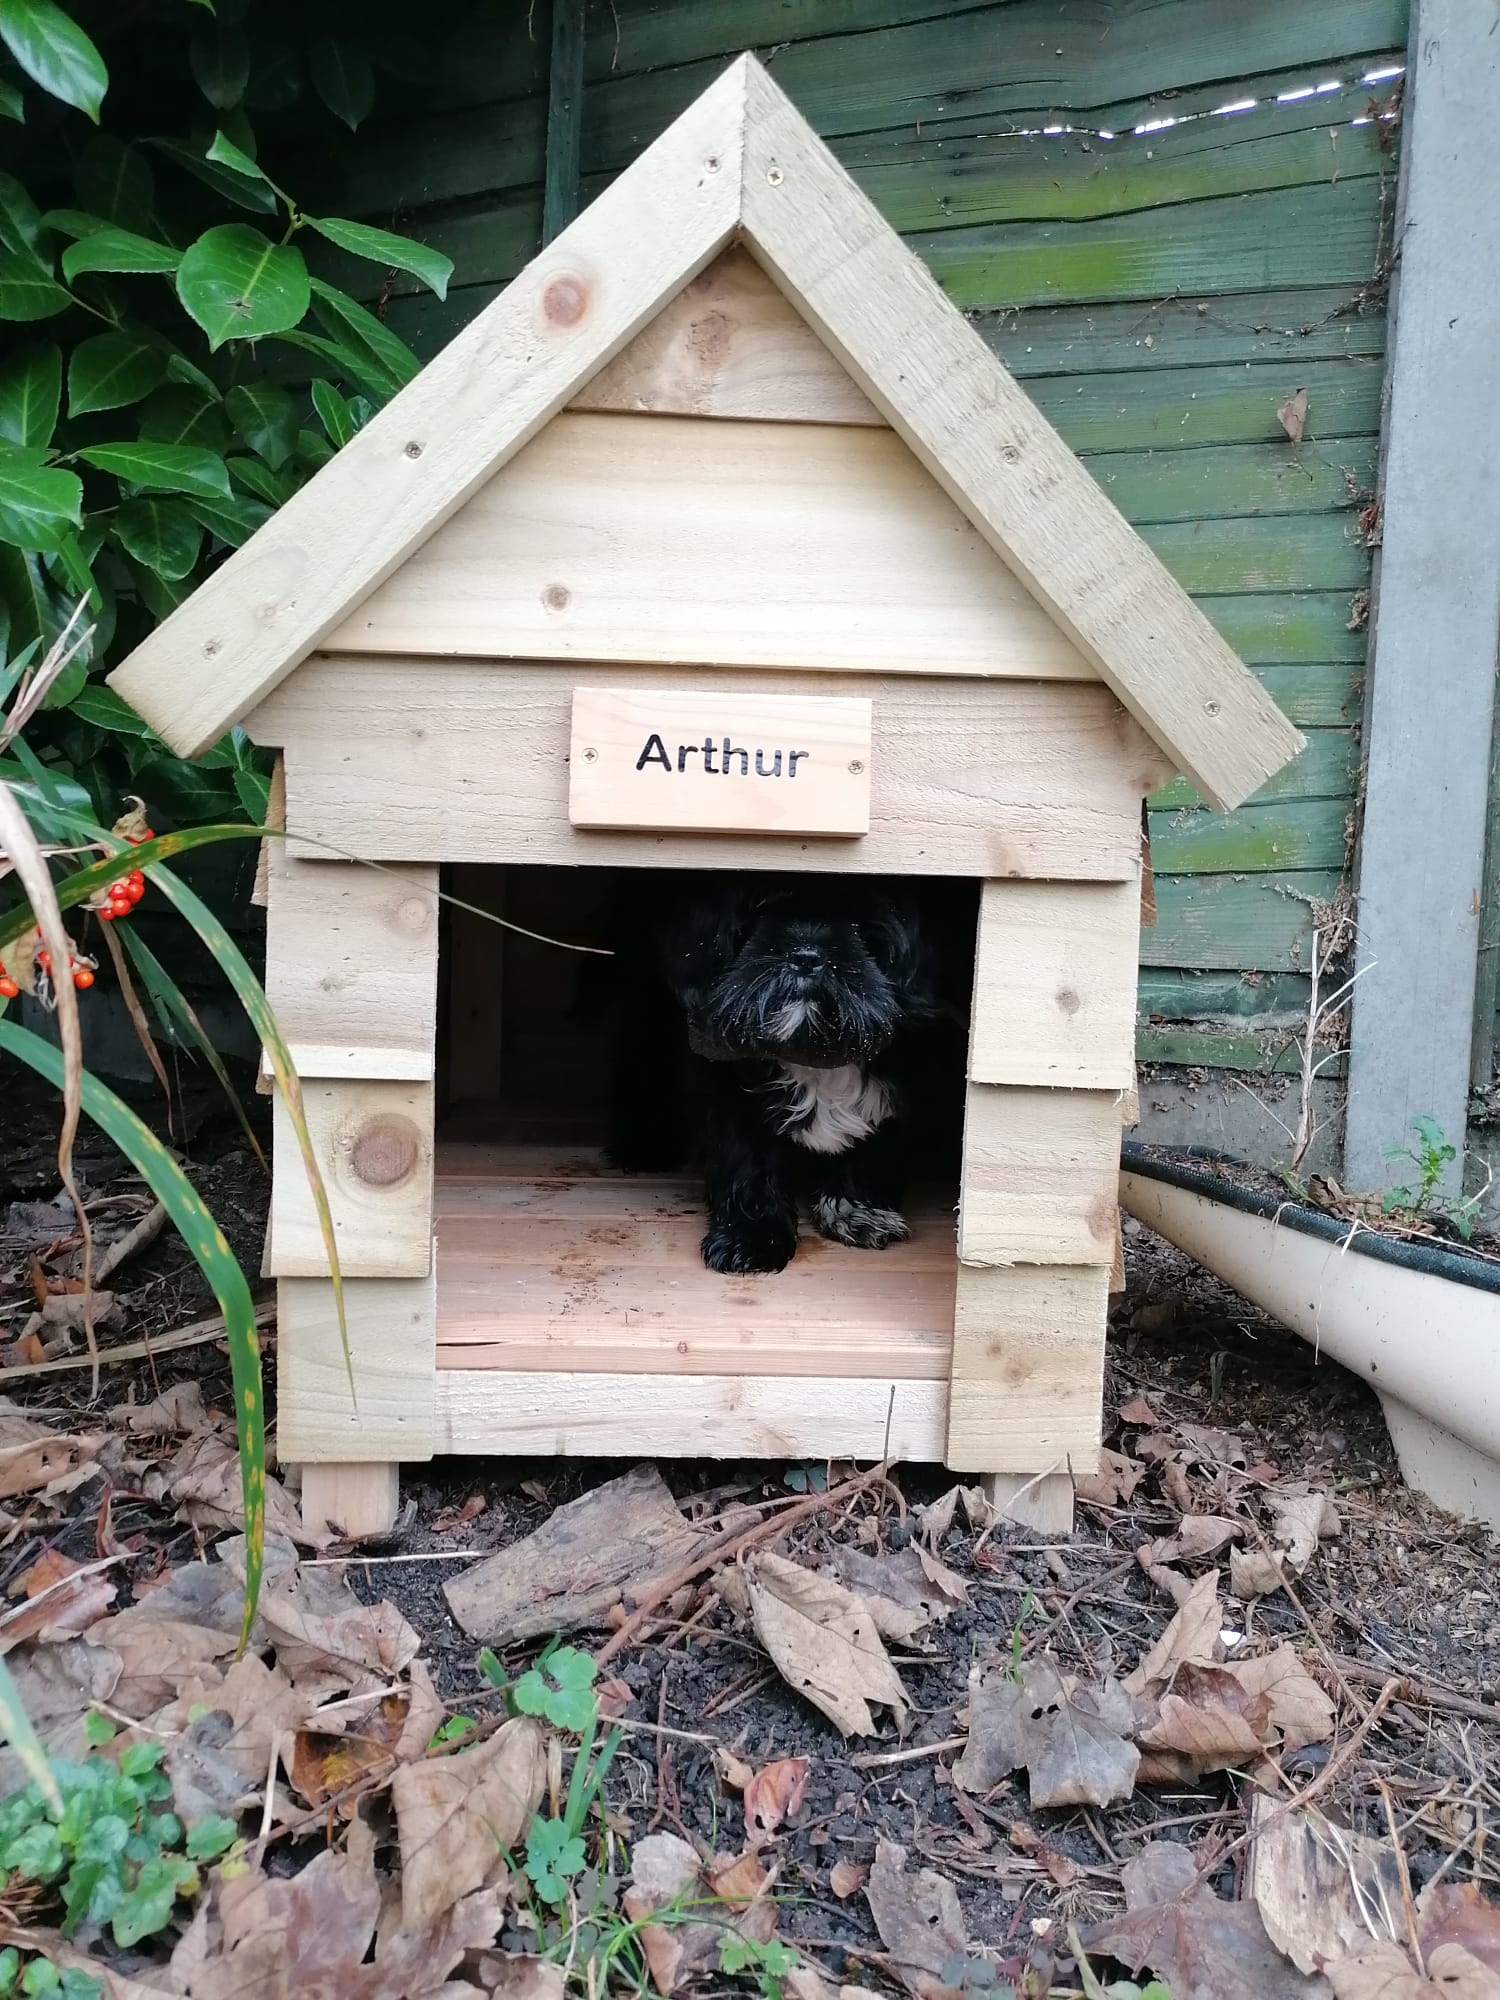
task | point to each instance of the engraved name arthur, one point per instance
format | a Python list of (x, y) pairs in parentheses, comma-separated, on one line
[(655, 754)]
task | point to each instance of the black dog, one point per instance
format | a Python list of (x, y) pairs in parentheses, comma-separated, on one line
[(791, 1027)]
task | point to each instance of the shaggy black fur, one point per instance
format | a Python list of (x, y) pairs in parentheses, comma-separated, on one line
[(790, 1031)]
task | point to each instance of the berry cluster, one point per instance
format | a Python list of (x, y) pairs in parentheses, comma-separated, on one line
[(125, 893), (82, 969)]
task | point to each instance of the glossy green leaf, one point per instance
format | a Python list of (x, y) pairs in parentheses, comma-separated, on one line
[(343, 78), (266, 419), (233, 520), (313, 449), (30, 392), (255, 793), (72, 222), (260, 480), (161, 468), (380, 246), (21, 225), (215, 1259), (55, 53), (238, 161), (351, 322), (220, 61), (233, 187), (185, 413), (333, 412), (238, 285), (112, 249), (28, 290), (112, 369), (115, 181), (38, 609), (159, 532), (38, 502), (107, 710), (275, 76), (12, 104), (161, 597)]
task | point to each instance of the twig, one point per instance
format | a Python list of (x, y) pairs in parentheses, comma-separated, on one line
[(62, 1583), (1408, 1908), (145, 1231), (1413, 1690), (764, 1531), (258, 1853), (195, 1335), (873, 1760)]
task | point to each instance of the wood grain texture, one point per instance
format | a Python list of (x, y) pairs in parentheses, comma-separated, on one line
[(713, 1416), (1054, 985), (392, 1336), (373, 1143), (665, 761), (1039, 1176), (1028, 1370), (569, 312), (603, 1273), (1042, 1502), (969, 778), (682, 539), (987, 445), (351, 1501), (351, 957), (730, 345)]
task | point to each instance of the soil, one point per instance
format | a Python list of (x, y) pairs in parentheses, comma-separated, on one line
[(1402, 1591)]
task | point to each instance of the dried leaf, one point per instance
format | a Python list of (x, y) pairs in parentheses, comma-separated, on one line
[(455, 1814), (1309, 1879), (1386, 1973), (1300, 1711), (1456, 1913), (917, 1916), (1292, 415), (1204, 1721), (1193, 1634), (511, 1975), (325, 1637), (324, 1765), (204, 1479), (1073, 1741), (773, 1795), (823, 1642), (205, 1779), (63, 1598), (1253, 1573), (1115, 1481), (32, 1455), (1302, 1520), (1138, 1411), (902, 1595), (1201, 1947), (662, 1867), (845, 1877), (936, 1518), (1198, 1536), (180, 1408), (734, 1771)]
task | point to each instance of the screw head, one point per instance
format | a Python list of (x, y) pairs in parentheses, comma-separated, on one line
[(856, 767), (775, 176), (591, 756), (413, 450), (1211, 706)]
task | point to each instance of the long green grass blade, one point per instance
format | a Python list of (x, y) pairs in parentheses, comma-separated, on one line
[(215, 1259), (81, 884), (176, 1011), (15, 1724)]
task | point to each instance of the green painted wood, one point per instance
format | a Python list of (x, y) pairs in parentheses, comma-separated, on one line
[(1327, 769), (1230, 922), (1274, 630), (1310, 235), (1290, 833), (1192, 484), (1315, 323), (1275, 552), (1325, 695), (1167, 995), (937, 182), (1133, 411), (1271, 1051), (562, 185)]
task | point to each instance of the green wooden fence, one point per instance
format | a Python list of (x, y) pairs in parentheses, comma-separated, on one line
[(1168, 220)]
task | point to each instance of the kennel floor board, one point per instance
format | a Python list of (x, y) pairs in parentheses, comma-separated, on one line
[(548, 1261)]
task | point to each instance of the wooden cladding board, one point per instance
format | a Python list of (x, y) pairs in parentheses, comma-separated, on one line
[(392, 1348), (551, 1264), (1054, 985), (669, 761), (1028, 1369), (351, 961), (730, 345), (713, 1416), (373, 1143), (458, 759), (1040, 1175), (680, 539)]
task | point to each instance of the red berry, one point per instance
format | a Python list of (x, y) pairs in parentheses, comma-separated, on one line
[(83, 978), (8, 988), (105, 914), (136, 891), (135, 879), (44, 959)]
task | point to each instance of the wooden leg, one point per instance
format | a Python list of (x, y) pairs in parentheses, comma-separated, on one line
[(352, 1500), (1045, 1503)]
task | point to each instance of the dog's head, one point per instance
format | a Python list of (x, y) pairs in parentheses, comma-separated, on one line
[(803, 970)]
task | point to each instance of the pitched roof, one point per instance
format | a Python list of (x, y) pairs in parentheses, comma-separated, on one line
[(741, 162)]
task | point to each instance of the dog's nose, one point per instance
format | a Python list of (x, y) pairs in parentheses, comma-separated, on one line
[(807, 957)]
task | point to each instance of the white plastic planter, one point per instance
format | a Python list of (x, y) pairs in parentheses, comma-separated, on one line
[(1422, 1326)]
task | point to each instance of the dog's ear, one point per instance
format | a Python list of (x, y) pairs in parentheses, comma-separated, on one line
[(903, 947), (701, 938)]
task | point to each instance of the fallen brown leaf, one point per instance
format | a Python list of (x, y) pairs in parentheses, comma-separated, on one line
[(917, 1916), (1115, 1481), (325, 1765), (1138, 1411), (823, 1642), (1300, 1711), (1292, 415), (845, 1877), (455, 1814), (773, 1795), (1456, 1913), (1201, 1947), (1301, 1521), (511, 1975), (205, 1779), (180, 1408), (1204, 1720), (665, 1870), (57, 1686), (326, 1638), (936, 1518), (63, 1598), (204, 1479), (734, 1771), (1193, 1634), (33, 1455), (1386, 1973), (1073, 1741), (1198, 1536), (1253, 1573), (903, 1595), (1311, 1879)]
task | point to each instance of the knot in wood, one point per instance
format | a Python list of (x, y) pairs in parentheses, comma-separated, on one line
[(565, 300), (385, 1151), (555, 597), (1067, 1000)]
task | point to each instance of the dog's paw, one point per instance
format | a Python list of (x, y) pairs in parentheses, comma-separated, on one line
[(844, 1220), (742, 1247)]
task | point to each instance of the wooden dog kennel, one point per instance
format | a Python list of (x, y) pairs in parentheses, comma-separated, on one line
[(724, 445)]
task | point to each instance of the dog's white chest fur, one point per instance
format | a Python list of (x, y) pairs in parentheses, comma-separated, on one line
[(829, 1110)]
